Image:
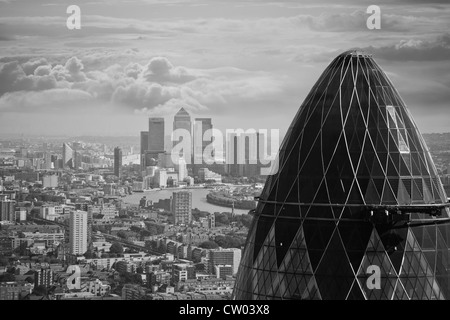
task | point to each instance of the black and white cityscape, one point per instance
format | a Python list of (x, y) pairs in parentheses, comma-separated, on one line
[(224, 150)]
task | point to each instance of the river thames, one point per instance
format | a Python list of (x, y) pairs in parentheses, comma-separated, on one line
[(198, 199)]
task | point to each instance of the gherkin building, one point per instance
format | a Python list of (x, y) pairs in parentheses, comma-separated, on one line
[(356, 209)]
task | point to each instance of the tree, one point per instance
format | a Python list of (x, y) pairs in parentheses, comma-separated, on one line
[(145, 233), (246, 220), (122, 235), (208, 245), (222, 218), (116, 247), (88, 254), (3, 261), (135, 229), (11, 270), (40, 290), (229, 241), (6, 277)]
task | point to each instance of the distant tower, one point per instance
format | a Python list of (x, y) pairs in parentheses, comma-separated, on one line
[(144, 148), (118, 162), (67, 156), (182, 120), (156, 135), (201, 125), (155, 141), (182, 169), (232, 209), (7, 210), (78, 232)]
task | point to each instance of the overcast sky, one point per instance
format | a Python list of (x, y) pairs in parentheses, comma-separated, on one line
[(245, 64)]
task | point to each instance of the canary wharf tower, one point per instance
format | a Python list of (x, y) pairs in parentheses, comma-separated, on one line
[(356, 209)]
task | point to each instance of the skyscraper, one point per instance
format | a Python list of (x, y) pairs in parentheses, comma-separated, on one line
[(76, 159), (182, 169), (356, 210), (144, 148), (118, 162), (201, 125), (7, 210), (182, 120), (67, 156), (152, 142), (182, 207), (156, 135), (78, 228), (235, 153)]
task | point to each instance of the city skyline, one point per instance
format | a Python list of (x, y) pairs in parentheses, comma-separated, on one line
[(232, 61)]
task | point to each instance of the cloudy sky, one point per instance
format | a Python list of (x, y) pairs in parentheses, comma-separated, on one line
[(246, 64)]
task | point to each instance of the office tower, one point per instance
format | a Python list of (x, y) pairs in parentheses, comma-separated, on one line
[(156, 134), (118, 162), (182, 207), (77, 159), (182, 121), (252, 155), (67, 156), (182, 169), (155, 142), (90, 219), (356, 210), (160, 178), (230, 256), (200, 142), (47, 160), (235, 155), (7, 210), (78, 228), (243, 153), (144, 148)]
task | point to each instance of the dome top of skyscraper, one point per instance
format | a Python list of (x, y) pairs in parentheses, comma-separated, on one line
[(356, 53), (353, 141)]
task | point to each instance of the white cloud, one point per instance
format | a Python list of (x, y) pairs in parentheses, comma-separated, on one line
[(156, 86), (52, 100)]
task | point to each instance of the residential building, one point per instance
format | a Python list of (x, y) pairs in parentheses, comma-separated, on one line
[(78, 232), (182, 207)]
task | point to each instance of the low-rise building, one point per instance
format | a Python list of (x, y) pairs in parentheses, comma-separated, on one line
[(133, 292), (14, 290), (98, 288)]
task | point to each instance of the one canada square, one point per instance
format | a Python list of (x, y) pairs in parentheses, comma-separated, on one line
[(356, 209)]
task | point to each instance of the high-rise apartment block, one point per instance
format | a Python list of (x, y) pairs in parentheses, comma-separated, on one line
[(78, 232), (118, 162), (182, 207)]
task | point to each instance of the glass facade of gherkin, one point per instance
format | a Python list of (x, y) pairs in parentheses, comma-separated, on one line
[(356, 187)]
